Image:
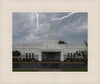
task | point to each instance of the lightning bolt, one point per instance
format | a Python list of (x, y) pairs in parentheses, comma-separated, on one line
[(63, 16), (37, 16)]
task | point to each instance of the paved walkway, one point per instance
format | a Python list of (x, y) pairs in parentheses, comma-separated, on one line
[(38, 69), (54, 62)]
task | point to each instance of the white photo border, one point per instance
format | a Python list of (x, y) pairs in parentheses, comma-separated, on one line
[(9, 6)]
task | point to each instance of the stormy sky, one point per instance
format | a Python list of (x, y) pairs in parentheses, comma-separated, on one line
[(72, 29)]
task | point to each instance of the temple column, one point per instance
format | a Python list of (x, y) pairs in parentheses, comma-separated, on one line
[(62, 57), (40, 57)]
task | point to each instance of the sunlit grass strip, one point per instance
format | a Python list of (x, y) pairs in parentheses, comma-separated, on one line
[(74, 70), (24, 70), (83, 70)]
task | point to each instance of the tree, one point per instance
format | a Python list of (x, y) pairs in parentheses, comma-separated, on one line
[(86, 51), (62, 42), (78, 53), (16, 53), (82, 53), (86, 44)]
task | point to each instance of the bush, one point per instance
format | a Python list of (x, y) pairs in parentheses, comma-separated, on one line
[(35, 60), (16, 53), (15, 60), (65, 60)]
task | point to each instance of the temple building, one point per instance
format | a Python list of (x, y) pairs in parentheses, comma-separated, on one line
[(49, 50)]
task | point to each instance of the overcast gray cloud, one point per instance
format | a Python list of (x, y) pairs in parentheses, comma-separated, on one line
[(72, 29)]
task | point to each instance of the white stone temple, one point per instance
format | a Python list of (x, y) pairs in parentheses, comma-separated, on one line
[(50, 50)]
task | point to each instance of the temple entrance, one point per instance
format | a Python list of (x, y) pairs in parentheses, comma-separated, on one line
[(51, 56)]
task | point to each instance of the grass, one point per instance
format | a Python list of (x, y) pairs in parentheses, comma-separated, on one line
[(73, 69), (24, 70), (83, 70)]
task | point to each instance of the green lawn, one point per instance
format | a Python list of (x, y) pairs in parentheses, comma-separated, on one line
[(83, 70), (24, 70), (74, 70)]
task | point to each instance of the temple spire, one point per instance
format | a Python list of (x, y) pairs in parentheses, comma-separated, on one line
[(50, 34)]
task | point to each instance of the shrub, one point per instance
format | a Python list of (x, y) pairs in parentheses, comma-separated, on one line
[(16, 53)]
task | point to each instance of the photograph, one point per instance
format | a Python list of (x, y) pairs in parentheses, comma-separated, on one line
[(50, 41)]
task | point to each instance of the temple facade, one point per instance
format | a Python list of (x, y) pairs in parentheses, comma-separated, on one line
[(49, 50)]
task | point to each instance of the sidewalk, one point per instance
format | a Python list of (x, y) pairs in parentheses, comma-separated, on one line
[(54, 62)]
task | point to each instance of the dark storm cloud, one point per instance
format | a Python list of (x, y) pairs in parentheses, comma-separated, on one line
[(73, 29)]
